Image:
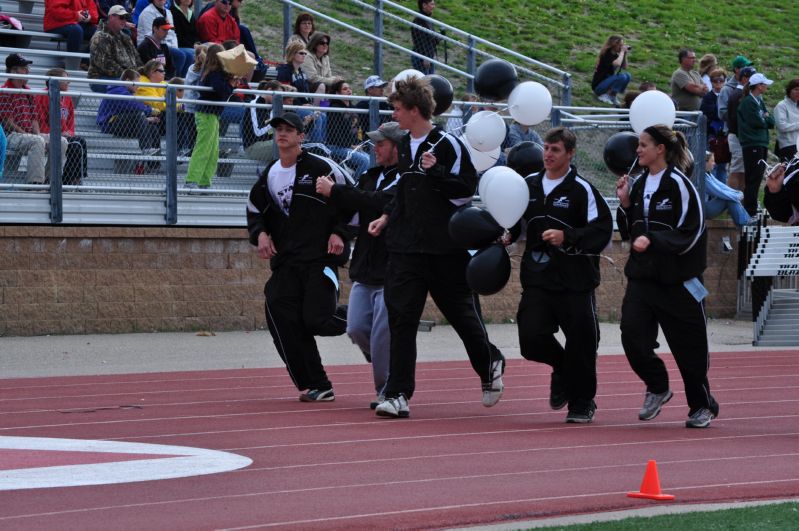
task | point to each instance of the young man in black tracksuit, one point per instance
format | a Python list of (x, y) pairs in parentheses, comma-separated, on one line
[(367, 317), (661, 214), (436, 177), (568, 224), (303, 236)]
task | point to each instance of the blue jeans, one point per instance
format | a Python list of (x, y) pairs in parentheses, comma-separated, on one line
[(182, 58), (3, 142), (613, 84), (75, 34), (231, 115), (102, 89), (318, 130), (358, 161), (720, 172), (721, 197)]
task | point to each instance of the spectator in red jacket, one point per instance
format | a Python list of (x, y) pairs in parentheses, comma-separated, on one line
[(75, 164), (218, 25), (75, 20)]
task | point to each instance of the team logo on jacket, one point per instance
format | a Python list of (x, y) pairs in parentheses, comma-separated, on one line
[(663, 205), (305, 179), (561, 202)]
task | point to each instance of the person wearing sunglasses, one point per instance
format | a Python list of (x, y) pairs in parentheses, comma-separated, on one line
[(317, 66)]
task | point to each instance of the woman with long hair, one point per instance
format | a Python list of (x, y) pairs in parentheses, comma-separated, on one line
[(304, 27), (342, 131), (609, 80), (317, 65), (205, 155), (661, 214)]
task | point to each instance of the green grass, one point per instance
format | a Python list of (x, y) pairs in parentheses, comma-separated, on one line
[(784, 516), (569, 34)]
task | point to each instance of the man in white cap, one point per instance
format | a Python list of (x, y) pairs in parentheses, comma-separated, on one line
[(111, 50), (367, 317), (754, 121), (374, 87)]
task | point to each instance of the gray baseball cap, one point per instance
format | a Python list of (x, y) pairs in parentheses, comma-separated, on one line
[(387, 131)]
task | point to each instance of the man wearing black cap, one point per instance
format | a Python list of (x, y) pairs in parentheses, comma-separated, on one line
[(21, 122), (111, 50), (154, 47), (303, 236), (367, 317)]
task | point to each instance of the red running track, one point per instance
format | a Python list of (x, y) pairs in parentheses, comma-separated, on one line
[(453, 463)]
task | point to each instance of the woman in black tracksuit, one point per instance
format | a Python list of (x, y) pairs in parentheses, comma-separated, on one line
[(661, 214)]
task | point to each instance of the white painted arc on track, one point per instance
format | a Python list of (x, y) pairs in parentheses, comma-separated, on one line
[(186, 462)]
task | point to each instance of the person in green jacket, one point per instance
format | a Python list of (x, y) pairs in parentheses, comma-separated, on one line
[(754, 121)]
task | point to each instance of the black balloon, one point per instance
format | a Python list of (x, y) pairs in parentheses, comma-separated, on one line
[(474, 228), (442, 92), (525, 158), (489, 270), (620, 152), (495, 80)]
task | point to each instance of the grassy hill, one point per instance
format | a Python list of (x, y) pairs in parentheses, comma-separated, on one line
[(569, 34)]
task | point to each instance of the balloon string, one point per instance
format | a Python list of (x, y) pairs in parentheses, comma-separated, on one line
[(632, 166), (353, 150)]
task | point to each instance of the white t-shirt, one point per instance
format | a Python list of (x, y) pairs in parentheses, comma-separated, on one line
[(650, 187), (550, 184), (415, 143), (281, 184)]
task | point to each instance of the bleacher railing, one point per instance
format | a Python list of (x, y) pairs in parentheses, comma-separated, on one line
[(123, 175), (466, 48)]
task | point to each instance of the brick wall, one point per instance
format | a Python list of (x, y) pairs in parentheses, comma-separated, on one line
[(75, 280)]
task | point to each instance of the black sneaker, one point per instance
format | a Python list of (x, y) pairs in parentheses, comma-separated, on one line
[(557, 396), (653, 403), (583, 416), (700, 418), (379, 399), (315, 395)]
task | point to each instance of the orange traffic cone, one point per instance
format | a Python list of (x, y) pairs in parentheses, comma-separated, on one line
[(650, 486)]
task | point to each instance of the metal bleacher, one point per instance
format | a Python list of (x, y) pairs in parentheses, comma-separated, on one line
[(116, 191)]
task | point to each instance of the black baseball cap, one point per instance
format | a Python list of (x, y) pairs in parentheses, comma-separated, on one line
[(15, 60), (289, 118)]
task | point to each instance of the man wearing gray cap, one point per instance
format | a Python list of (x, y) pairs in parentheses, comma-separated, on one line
[(304, 238), (367, 317)]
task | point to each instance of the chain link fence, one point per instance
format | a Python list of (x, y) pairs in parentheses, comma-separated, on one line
[(124, 143)]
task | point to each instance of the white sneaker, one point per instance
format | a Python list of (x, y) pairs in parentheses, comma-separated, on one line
[(606, 98), (394, 407), (492, 391)]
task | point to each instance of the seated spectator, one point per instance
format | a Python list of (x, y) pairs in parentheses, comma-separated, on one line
[(292, 73), (304, 27), (342, 132), (75, 20), (154, 47), (373, 87), (318, 69), (76, 162), (186, 129), (245, 36), (629, 96), (139, 6), (129, 118), (217, 24), (609, 79), (181, 57), (781, 195), (256, 133), (153, 72), (716, 135), (720, 198), (522, 133), (786, 121), (184, 17), (111, 50), (21, 123), (460, 114), (646, 85)]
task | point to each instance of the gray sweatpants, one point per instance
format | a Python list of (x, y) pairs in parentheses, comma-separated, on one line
[(367, 326)]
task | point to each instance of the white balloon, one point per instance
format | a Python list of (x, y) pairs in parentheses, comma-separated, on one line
[(482, 160), (485, 131), (530, 103), (407, 74), (506, 197), (487, 177), (652, 107)]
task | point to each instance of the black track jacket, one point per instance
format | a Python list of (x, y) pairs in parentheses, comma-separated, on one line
[(419, 215), (676, 228), (578, 209), (301, 237)]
